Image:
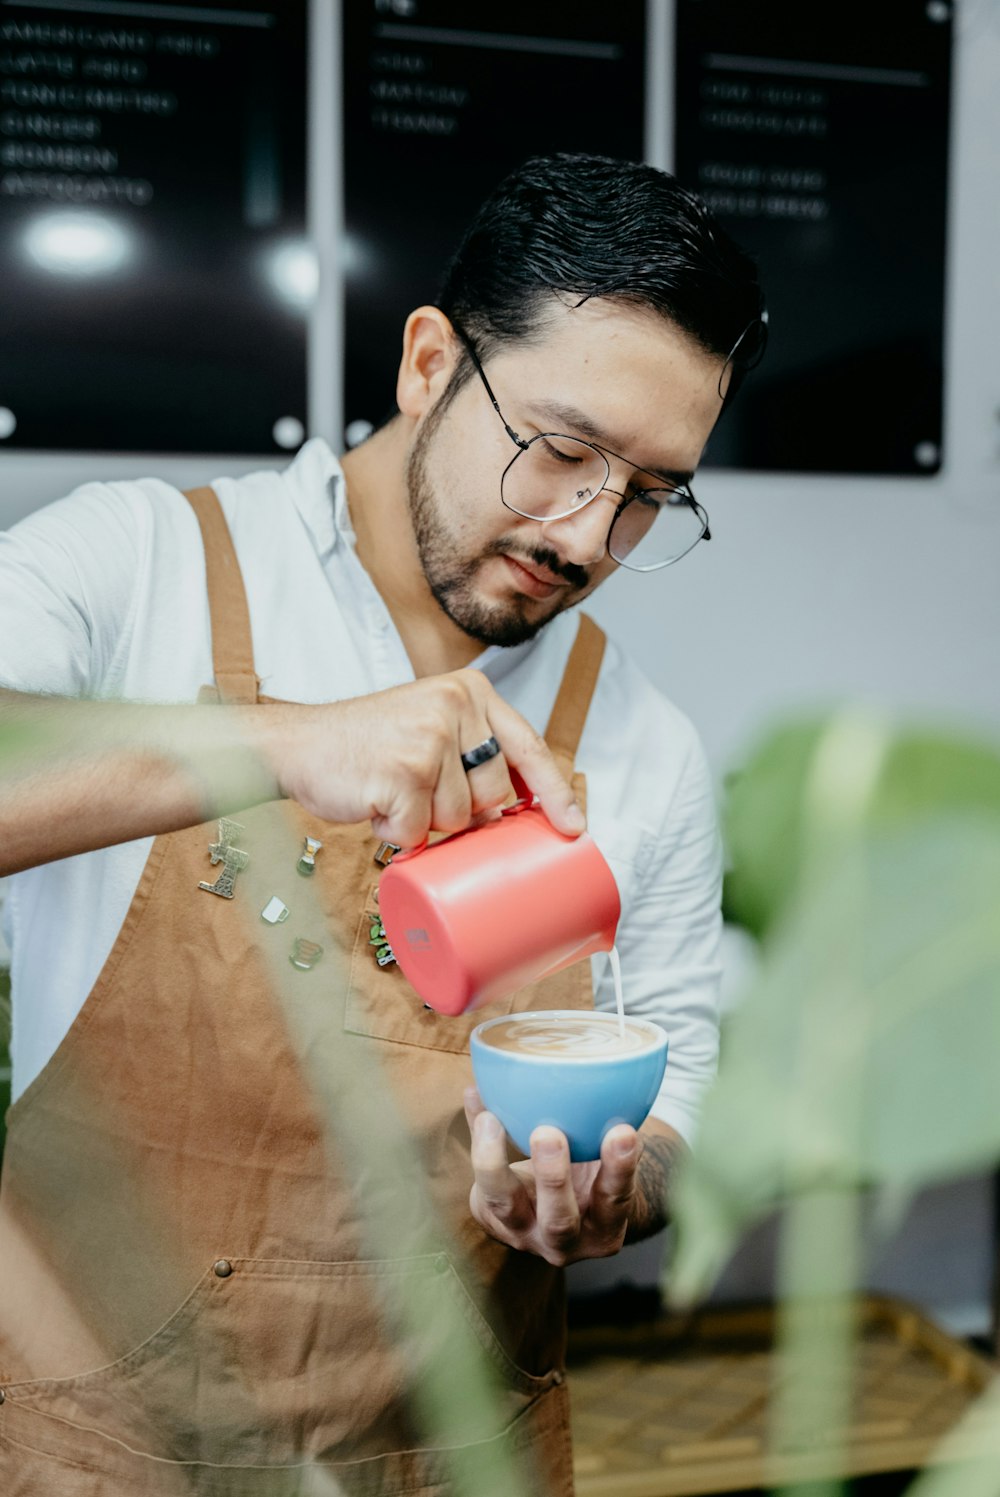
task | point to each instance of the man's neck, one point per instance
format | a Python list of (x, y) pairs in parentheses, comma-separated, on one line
[(376, 495)]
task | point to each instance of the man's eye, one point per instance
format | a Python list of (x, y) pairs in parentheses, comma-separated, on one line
[(652, 498), (561, 457), (661, 498)]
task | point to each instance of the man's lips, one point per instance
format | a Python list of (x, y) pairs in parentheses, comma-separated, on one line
[(537, 582)]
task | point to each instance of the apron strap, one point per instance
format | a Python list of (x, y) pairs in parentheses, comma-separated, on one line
[(572, 703), (236, 680)]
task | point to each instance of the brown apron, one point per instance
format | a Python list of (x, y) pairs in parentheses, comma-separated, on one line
[(189, 1302)]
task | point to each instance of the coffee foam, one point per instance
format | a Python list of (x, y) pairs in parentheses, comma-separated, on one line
[(576, 1036)]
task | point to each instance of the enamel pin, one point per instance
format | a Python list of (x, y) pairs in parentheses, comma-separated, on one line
[(233, 859), (377, 938), (307, 862), (305, 954)]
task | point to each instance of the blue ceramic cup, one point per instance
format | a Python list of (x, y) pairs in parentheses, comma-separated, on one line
[(564, 1067)]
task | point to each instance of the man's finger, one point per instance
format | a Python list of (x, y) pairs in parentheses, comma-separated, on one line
[(497, 1191), (556, 1205), (613, 1188), (527, 752), (474, 1105), (488, 781)]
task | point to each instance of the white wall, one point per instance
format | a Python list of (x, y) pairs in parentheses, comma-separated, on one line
[(812, 589)]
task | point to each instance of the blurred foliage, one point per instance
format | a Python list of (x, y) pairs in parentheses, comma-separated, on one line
[(454, 1384), (4, 1053), (866, 859), (923, 775)]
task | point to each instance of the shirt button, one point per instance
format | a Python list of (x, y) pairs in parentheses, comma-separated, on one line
[(2, 1395), (222, 1269)]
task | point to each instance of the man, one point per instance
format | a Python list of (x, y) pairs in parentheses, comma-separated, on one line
[(190, 1299)]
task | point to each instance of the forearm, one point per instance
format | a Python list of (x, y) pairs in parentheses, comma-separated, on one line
[(75, 776), (663, 1150)]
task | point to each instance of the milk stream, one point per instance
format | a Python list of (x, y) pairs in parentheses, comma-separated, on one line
[(616, 973)]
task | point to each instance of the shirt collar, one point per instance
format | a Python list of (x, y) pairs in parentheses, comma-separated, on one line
[(315, 480)]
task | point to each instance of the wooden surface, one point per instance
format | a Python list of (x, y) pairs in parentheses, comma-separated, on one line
[(680, 1406)]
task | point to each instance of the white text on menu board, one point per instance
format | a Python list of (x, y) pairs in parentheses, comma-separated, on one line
[(62, 88)]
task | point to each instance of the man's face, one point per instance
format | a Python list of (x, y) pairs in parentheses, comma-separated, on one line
[(620, 377)]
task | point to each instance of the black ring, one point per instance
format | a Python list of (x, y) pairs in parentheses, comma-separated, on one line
[(481, 754)]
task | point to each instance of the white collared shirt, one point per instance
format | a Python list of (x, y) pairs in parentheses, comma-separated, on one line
[(103, 595)]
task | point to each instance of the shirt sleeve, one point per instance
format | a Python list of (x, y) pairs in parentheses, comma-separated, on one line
[(669, 943), (68, 577)]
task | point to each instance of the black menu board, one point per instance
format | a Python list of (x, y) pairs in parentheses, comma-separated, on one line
[(441, 100), (155, 274), (819, 134)]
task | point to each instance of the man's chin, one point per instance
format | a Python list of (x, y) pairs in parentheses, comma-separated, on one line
[(503, 624)]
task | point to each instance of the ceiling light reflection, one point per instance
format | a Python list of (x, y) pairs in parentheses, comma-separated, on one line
[(77, 244), (294, 272)]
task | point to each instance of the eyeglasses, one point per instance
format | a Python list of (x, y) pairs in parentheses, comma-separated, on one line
[(553, 475), (753, 341)]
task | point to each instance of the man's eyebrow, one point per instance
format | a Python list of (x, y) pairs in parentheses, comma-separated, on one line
[(578, 421)]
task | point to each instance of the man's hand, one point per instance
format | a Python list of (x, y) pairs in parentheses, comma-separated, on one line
[(92, 774), (396, 758), (561, 1211)]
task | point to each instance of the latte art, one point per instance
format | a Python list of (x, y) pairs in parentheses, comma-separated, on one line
[(575, 1037)]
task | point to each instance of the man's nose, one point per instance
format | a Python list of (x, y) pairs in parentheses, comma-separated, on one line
[(582, 537)]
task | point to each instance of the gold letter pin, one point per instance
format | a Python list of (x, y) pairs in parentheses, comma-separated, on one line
[(233, 859)]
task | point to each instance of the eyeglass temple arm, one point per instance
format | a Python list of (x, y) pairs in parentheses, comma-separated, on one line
[(520, 442)]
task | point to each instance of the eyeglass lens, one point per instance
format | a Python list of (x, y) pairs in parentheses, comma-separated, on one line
[(555, 475)]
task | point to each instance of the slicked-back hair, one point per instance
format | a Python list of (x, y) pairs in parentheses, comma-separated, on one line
[(589, 226)]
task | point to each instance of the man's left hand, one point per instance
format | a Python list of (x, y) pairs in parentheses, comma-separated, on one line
[(546, 1205)]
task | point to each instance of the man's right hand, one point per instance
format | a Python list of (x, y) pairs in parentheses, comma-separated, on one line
[(95, 774), (395, 757)]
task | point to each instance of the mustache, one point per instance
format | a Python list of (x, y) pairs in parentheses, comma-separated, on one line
[(540, 556)]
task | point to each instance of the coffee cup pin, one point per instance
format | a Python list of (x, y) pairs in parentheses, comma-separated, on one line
[(307, 862)]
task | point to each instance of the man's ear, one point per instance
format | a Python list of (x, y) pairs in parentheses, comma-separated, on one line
[(430, 353)]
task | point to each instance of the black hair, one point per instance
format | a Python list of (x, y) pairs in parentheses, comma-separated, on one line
[(591, 226)]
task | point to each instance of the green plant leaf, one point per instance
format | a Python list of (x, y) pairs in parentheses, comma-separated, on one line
[(866, 1051), (767, 813)]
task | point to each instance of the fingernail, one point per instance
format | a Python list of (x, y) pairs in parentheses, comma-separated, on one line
[(575, 819), (548, 1147), (489, 1126)]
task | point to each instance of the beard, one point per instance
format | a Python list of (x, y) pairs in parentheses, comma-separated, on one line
[(452, 579)]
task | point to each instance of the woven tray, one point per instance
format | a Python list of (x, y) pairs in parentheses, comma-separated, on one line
[(680, 1406)]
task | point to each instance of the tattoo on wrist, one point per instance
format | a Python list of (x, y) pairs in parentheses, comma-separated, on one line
[(651, 1211)]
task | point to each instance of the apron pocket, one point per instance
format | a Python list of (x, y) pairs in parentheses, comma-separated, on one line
[(274, 1364)]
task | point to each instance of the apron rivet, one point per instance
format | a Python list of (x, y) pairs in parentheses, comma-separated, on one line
[(222, 1269)]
